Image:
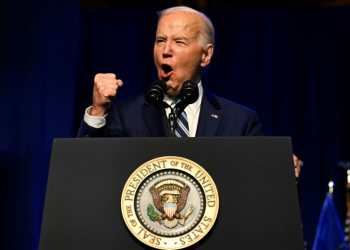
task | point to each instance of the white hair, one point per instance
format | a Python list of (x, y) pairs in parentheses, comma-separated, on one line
[(207, 32)]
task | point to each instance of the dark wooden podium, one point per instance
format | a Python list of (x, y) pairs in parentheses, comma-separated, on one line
[(259, 206)]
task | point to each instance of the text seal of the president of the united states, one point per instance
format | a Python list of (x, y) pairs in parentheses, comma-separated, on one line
[(170, 203)]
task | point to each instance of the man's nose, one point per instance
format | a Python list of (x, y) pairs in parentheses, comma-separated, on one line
[(167, 49)]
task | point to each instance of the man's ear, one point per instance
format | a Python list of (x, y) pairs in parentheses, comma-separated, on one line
[(207, 54)]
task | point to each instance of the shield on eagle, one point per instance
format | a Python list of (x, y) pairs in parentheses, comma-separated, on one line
[(170, 209), (169, 197)]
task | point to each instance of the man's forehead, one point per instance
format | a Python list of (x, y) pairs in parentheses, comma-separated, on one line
[(179, 22)]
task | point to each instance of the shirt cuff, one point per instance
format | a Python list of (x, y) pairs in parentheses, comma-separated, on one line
[(94, 121)]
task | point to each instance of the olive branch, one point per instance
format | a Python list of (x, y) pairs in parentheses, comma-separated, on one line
[(152, 214)]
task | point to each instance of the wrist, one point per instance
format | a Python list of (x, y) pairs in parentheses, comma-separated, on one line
[(97, 111)]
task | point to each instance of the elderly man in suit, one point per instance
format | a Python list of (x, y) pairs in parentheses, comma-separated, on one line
[(184, 45)]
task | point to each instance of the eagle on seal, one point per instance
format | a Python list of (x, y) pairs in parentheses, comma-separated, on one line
[(170, 197)]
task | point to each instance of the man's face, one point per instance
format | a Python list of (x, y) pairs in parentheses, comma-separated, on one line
[(178, 55)]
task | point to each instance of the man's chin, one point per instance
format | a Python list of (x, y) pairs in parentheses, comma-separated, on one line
[(171, 92)]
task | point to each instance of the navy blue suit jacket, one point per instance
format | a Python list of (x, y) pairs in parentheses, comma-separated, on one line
[(134, 117)]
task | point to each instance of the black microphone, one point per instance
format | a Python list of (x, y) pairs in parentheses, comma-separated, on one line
[(189, 92), (155, 93)]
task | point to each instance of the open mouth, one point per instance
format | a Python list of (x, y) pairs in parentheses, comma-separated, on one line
[(166, 70)]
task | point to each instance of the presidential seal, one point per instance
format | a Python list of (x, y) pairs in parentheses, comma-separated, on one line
[(170, 203)]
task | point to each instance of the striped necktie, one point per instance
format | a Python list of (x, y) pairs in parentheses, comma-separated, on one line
[(182, 124)]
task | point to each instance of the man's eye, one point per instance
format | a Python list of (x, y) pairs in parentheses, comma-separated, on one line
[(159, 41)]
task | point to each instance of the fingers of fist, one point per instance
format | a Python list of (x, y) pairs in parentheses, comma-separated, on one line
[(106, 86)]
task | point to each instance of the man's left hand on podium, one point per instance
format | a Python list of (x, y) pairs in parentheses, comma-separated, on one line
[(297, 166)]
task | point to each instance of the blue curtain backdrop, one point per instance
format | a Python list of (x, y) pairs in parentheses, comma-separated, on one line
[(290, 65), (38, 58)]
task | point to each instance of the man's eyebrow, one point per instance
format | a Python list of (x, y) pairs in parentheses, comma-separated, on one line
[(160, 36), (181, 38)]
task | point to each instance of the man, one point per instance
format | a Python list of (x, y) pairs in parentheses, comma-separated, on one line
[(184, 45)]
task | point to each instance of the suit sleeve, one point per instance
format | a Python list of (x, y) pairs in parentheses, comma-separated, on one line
[(113, 127), (254, 127)]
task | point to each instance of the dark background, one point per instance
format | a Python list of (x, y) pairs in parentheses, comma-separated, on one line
[(289, 63), (116, 4)]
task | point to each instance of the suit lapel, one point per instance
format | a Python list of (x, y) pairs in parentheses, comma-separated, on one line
[(210, 115), (155, 121)]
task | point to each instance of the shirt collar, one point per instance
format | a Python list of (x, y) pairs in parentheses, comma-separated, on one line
[(194, 107)]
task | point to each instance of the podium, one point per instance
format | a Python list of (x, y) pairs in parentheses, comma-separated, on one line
[(254, 176)]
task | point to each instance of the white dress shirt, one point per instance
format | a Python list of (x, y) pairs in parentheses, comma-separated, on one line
[(192, 112)]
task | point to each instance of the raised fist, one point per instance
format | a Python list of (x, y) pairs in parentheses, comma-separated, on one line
[(105, 91)]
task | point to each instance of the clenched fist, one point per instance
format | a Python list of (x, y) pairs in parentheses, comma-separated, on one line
[(105, 91)]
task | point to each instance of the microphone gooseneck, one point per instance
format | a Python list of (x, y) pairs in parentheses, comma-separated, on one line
[(154, 95)]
